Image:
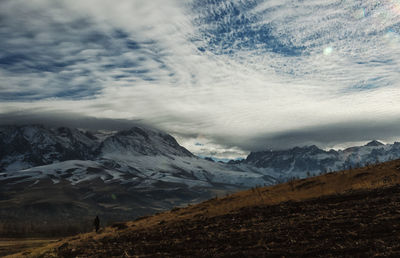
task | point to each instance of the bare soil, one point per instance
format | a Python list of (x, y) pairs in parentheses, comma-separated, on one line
[(353, 213), (358, 223)]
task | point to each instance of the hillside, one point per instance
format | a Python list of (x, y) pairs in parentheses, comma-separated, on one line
[(353, 212)]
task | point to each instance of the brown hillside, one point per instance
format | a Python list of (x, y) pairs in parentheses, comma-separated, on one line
[(354, 212)]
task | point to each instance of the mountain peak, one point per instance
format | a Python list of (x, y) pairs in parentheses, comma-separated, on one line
[(310, 147), (374, 143), (142, 141)]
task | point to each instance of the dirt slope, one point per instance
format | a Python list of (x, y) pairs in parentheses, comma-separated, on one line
[(354, 213)]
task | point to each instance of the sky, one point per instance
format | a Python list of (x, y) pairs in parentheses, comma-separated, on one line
[(223, 77)]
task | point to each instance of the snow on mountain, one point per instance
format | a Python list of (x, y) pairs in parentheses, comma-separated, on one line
[(146, 157), (34, 145), (140, 172), (138, 141), (75, 174), (304, 161), (139, 156)]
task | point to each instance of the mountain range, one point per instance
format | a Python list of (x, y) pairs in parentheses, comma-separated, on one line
[(69, 174), (301, 162), (48, 175), (139, 155)]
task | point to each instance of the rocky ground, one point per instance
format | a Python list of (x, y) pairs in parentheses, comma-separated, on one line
[(359, 223)]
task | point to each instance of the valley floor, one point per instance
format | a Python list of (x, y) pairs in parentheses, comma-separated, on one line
[(358, 223), (13, 245)]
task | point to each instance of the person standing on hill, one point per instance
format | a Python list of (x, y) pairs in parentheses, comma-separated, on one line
[(96, 223)]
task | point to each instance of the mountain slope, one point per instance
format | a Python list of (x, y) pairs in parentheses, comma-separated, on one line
[(353, 212), (140, 141), (34, 145)]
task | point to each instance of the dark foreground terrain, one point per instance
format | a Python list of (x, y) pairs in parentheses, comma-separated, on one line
[(360, 223), (353, 213), (13, 245)]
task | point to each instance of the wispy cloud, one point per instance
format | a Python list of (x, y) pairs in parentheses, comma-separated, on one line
[(233, 75)]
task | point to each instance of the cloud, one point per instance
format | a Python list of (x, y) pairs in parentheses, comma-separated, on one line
[(63, 119), (334, 135), (73, 50), (233, 75)]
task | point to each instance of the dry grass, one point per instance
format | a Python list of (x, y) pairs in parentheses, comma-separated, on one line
[(375, 176), (371, 177), (13, 245)]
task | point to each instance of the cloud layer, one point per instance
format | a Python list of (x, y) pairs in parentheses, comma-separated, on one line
[(225, 77)]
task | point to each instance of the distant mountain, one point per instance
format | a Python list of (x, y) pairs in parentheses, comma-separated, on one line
[(34, 145), (48, 175), (148, 155), (374, 143), (140, 141), (305, 161)]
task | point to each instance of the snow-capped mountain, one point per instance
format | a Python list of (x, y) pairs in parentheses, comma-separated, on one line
[(138, 141), (141, 155), (146, 157), (71, 174), (28, 146), (53, 174), (35, 145), (311, 160)]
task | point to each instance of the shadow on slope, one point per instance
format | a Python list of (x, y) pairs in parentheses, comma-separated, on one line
[(353, 212)]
